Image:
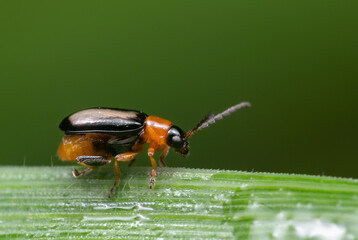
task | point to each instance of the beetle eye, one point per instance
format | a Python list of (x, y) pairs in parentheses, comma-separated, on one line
[(175, 137), (176, 142)]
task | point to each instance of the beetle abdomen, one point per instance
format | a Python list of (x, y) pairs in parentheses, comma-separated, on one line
[(112, 121), (74, 146)]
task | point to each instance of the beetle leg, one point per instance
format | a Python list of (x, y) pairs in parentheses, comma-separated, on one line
[(162, 156), (154, 167), (116, 181), (76, 173), (120, 158), (91, 162), (137, 147), (131, 163), (124, 157)]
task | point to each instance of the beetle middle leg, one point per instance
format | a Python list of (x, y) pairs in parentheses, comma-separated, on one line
[(131, 163), (91, 162), (124, 157)]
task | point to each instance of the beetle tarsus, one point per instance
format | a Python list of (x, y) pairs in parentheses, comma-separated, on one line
[(111, 192), (152, 182), (77, 174), (152, 179)]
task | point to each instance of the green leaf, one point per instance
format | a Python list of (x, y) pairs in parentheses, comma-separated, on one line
[(48, 203)]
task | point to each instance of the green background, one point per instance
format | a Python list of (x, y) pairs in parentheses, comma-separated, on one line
[(295, 61)]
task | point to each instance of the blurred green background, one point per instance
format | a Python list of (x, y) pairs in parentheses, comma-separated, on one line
[(295, 61)]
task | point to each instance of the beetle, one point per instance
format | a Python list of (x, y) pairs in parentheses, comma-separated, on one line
[(93, 136)]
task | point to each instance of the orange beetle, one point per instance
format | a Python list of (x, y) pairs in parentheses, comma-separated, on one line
[(93, 136)]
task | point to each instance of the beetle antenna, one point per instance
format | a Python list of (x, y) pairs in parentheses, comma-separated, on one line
[(210, 118)]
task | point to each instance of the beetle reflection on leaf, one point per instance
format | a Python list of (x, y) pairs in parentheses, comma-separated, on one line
[(93, 136)]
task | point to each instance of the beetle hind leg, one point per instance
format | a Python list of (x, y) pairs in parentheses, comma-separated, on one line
[(91, 162), (77, 174)]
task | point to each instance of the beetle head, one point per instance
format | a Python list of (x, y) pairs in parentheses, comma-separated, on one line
[(176, 139)]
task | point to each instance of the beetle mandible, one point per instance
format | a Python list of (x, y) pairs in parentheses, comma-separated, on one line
[(93, 136)]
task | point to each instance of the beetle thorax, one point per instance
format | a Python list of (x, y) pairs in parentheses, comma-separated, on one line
[(156, 131)]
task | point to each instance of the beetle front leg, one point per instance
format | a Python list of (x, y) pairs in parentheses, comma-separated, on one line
[(154, 167), (120, 158), (162, 156), (91, 162)]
